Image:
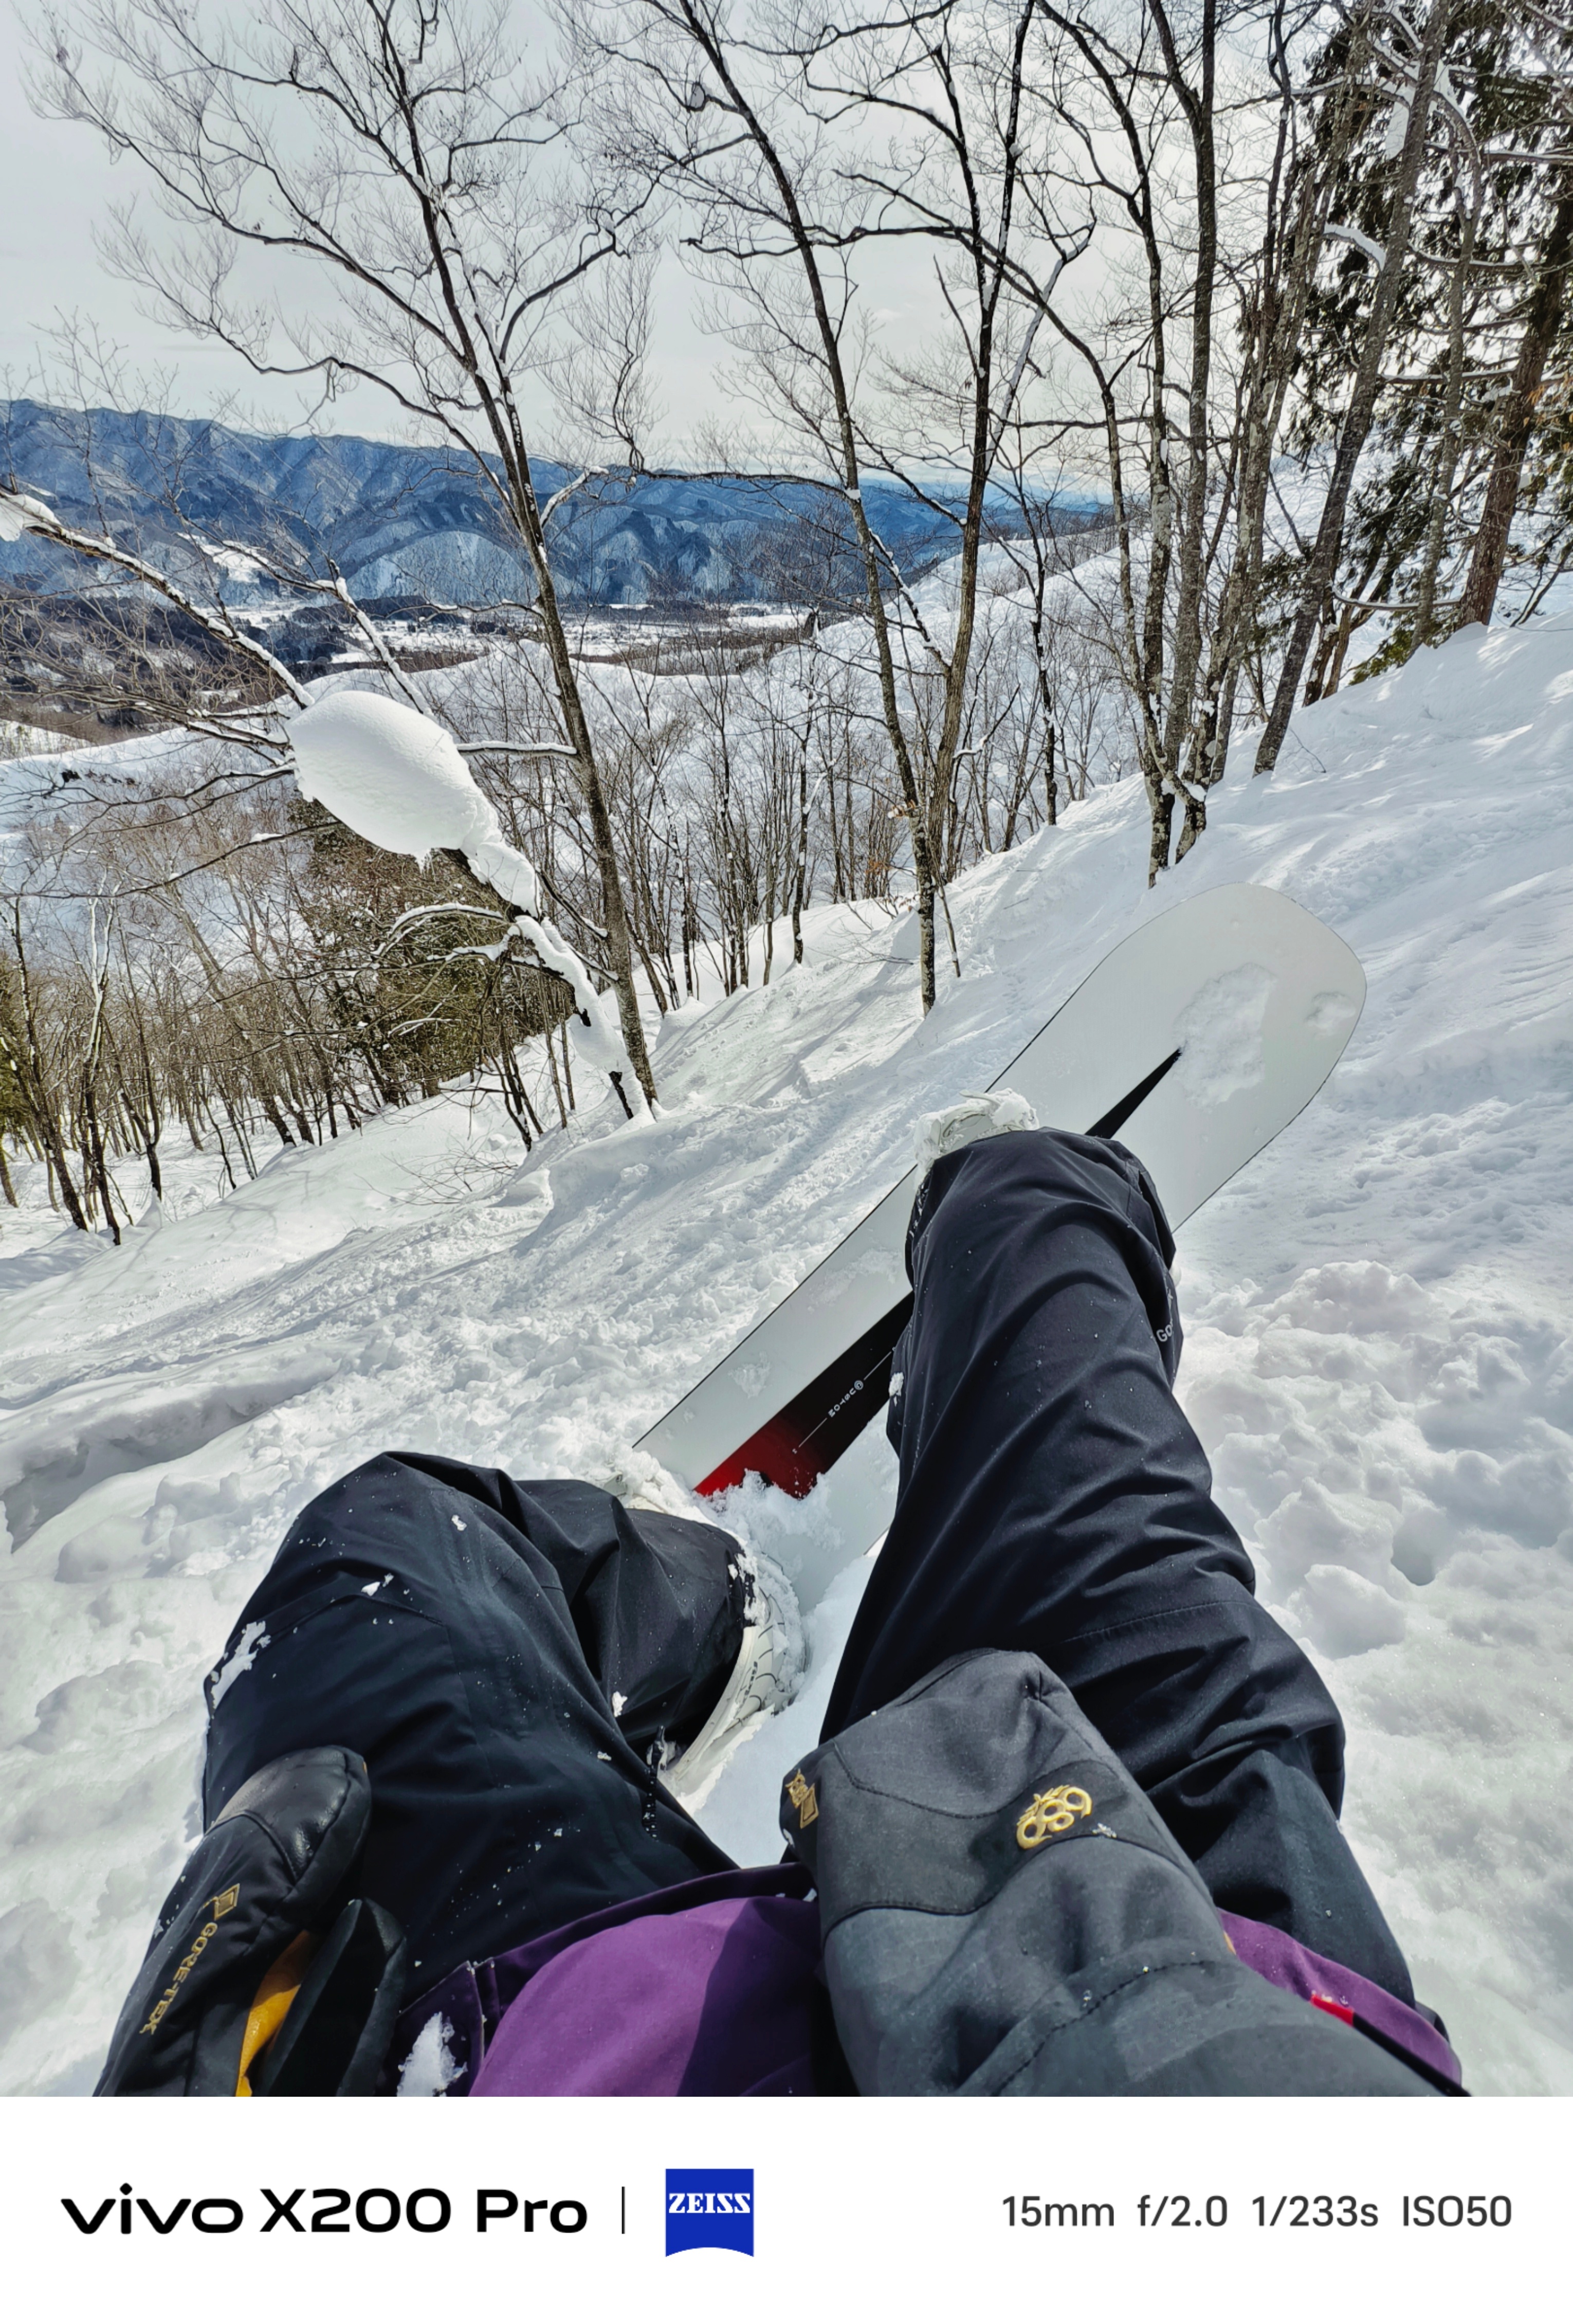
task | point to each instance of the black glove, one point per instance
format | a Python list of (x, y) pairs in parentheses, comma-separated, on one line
[(276, 1863)]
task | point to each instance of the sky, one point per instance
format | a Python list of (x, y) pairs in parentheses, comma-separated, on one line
[(57, 186)]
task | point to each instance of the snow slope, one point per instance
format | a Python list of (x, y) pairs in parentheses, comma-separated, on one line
[(1377, 1313)]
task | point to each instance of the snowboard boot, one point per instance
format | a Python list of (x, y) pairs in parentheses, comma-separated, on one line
[(764, 1679), (977, 1114)]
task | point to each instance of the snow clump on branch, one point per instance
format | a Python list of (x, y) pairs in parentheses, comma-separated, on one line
[(392, 775), (20, 513)]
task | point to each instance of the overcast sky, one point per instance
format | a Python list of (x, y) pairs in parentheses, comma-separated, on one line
[(58, 184)]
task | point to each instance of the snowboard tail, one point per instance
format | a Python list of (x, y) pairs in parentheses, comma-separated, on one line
[(808, 1436), (1206, 1031)]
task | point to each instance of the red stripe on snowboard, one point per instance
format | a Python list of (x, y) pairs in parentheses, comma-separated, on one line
[(808, 1436)]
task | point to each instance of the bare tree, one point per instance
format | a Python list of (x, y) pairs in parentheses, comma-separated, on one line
[(1410, 65), (1157, 118), (794, 143), (410, 155)]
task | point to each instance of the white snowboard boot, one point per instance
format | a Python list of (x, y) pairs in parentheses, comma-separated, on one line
[(764, 1677), (771, 1661), (989, 1113)]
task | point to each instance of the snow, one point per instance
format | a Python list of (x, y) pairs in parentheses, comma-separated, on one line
[(18, 741), (1377, 1318), (242, 1657), (399, 779), (1221, 1034), (1351, 233), (430, 2066), (20, 512), (391, 774)]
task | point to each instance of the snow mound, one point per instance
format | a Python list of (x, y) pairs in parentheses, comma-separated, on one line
[(1221, 1035)]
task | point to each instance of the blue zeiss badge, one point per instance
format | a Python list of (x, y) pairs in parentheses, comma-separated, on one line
[(709, 2207)]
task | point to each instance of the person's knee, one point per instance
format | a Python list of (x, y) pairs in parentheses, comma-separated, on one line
[(374, 1481), (384, 1517), (984, 1193), (1052, 1163)]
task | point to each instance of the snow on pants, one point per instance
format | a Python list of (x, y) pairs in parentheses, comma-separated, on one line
[(503, 1654), (1054, 1500), (474, 1638)]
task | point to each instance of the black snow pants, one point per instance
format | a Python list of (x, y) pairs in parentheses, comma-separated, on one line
[(509, 1657)]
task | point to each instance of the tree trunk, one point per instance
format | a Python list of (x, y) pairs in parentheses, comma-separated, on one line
[(1542, 326), (690, 939), (800, 869), (39, 1097), (1322, 570), (1162, 806), (1289, 261), (1192, 560), (613, 906), (557, 1084), (56, 1149), (95, 1167), (1436, 532)]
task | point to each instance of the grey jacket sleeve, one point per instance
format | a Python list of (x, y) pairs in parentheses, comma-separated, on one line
[(1003, 1912)]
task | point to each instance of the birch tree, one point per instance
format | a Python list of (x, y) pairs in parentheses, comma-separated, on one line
[(797, 146), (423, 167)]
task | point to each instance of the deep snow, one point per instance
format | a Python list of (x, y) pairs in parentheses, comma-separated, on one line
[(1377, 1313)]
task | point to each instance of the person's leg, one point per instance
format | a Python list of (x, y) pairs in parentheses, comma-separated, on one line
[(1053, 1498), (505, 1657)]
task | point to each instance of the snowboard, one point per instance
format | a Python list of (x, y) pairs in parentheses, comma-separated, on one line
[(1195, 1041)]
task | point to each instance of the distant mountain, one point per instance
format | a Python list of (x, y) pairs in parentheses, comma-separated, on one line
[(404, 522)]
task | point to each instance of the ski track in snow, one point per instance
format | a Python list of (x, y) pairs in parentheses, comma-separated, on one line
[(1376, 1316)]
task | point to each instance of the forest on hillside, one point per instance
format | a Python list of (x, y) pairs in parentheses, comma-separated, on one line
[(1243, 379)]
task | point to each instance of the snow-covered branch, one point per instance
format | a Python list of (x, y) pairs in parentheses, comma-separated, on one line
[(407, 921), (392, 775), (1361, 243), (517, 750), (21, 513)]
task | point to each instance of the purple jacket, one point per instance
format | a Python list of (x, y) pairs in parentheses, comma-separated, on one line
[(710, 1989)]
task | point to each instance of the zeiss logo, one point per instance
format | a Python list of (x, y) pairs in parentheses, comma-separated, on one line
[(709, 2207)]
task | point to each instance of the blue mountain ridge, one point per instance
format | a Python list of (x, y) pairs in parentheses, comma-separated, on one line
[(424, 522)]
